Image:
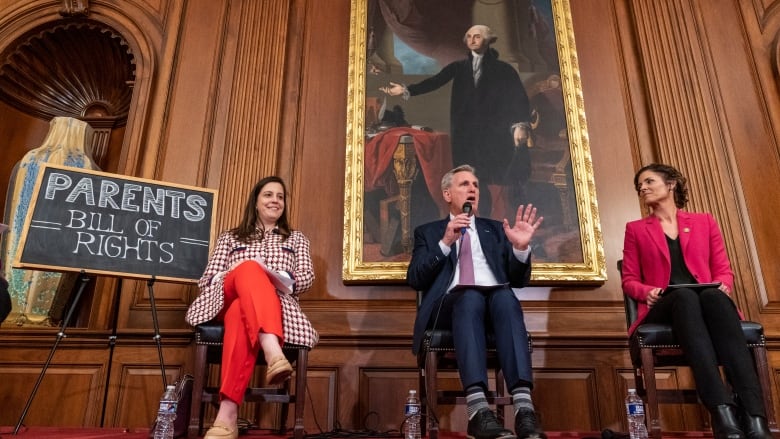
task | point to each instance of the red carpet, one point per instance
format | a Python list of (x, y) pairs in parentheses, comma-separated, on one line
[(73, 433), (143, 433)]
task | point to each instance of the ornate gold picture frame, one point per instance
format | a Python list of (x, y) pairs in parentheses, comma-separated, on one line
[(398, 148)]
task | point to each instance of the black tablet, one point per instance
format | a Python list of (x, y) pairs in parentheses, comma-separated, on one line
[(694, 287)]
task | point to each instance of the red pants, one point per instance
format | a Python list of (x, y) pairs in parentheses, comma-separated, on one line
[(251, 306)]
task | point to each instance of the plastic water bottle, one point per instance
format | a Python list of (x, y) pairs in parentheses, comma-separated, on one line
[(412, 413), (635, 410), (166, 414)]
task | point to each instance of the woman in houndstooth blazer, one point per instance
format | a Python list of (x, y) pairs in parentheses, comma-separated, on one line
[(236, 289)]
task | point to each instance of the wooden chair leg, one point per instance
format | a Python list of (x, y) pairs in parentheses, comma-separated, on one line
[(423, 400), (284, 412), (500, 393), (431, 365), (301, 366), (199, 382), (651, 411), (762, 369)]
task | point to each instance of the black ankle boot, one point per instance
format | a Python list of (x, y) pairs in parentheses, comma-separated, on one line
[(724, 423), (755, 427)]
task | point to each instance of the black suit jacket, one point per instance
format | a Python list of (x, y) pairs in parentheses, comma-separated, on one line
[(5, 300), (431, 272), (481, 117)]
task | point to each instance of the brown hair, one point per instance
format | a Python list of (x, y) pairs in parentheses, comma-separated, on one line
[(247, 228), (670, 175)]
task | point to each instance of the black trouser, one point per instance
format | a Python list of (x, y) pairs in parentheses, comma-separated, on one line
[(708, 329)]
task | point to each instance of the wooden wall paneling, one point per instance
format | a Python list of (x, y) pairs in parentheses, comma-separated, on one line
[(70, 393), (252, 134), (289, 147), (171, 301), (382, 392), (773, 357), (319, 415), (345, 368), (752, 102), (136, 378), (679, 97), (748, 104), (318, 195), (194, 90), (574, 388), (568, 375)]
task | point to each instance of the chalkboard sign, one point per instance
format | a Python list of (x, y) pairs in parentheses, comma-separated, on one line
[(117, 225)]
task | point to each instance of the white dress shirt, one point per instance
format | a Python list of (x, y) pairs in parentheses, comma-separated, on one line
[(483, 275)]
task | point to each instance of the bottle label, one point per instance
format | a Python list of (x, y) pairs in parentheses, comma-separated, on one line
[(635, 408), (412, 409), (168, 407)]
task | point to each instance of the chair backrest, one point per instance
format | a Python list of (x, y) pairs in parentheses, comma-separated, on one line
[(628, 302)]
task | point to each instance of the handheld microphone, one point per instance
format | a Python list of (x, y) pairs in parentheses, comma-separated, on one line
[(467, 211)]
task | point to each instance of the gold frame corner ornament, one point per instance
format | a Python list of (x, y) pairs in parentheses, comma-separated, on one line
[(591, 270)]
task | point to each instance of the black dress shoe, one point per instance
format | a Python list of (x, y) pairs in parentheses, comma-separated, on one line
[(484, 425), (526, 426), (755, 427), (724, 423)]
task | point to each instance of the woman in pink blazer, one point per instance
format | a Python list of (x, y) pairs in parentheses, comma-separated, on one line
[(672, 246)]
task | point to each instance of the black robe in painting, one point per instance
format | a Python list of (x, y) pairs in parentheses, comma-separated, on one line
[(481, 117)]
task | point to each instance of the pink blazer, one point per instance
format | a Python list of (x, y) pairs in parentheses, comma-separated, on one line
[(647, 264)]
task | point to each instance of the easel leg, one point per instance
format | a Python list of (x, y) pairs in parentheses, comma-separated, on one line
[(111, 345), (60, 335), (157, 337)]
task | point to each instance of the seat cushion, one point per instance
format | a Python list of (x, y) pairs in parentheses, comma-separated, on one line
[(441, 340), (660, 336), (211, 334)]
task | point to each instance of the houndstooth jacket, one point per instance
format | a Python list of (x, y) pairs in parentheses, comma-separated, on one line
[(291, 256)]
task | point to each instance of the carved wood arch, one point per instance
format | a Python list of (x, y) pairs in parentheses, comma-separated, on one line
[(76, 68)]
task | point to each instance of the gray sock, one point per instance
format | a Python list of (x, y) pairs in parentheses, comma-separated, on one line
[(475, 400), (521, 399)]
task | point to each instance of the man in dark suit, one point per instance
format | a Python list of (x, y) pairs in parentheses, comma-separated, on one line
[(489, 118), (466, 267)]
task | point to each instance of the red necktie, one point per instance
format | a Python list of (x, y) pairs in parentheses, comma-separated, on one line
[(465, 261)]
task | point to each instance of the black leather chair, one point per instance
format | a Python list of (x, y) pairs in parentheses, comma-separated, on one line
[(438, 353), (208, 351), (654, 345)]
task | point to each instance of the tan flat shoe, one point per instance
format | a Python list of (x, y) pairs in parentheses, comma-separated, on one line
[(279, 371), (221, 430)]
